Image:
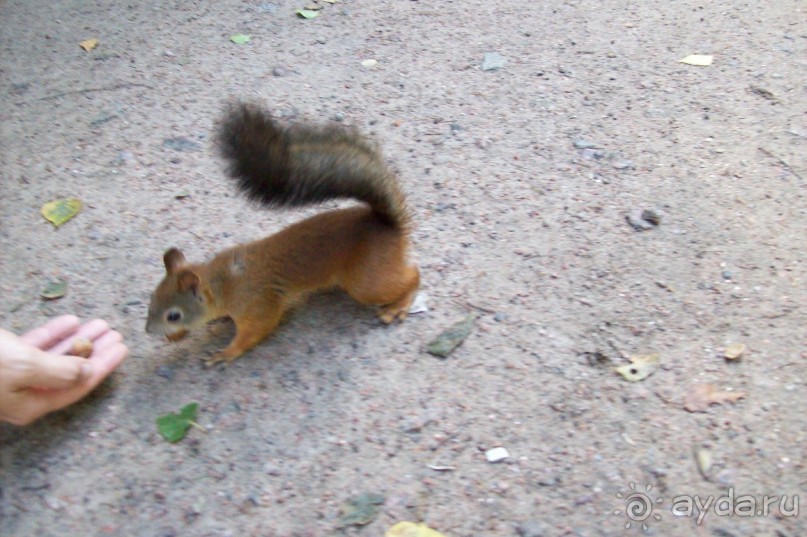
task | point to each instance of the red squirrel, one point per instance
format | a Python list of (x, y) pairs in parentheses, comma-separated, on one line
[(361, 249)]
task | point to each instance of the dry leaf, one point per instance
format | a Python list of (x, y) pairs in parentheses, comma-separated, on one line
[(701, 60), (89, 44), (703, 395), (735, 351), (641, 367), (410, 529)]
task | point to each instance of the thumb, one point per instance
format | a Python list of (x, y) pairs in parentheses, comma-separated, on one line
[(56, 371)]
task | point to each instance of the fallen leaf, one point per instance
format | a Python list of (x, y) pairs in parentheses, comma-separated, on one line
[(704, 395), (410, 529), (640, 367), (451, 338), (307, 13), (360, 510), (173, 427), (701, 60), (240, 39), (60, 211), (55, 289), (735, 351), (89, 44)]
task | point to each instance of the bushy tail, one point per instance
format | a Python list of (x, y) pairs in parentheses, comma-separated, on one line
[(303, 164)]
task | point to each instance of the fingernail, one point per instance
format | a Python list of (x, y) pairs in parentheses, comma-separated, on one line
[(86, 371)]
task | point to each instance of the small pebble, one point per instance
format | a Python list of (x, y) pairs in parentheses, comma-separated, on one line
[(492, 61), (622, 164), (651, 216), (165, 372), (181, 144), (582, 144), (637, 222), (497, 454), (726, 274), (533, 528)]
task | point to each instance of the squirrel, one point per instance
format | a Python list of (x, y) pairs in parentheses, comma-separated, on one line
[(362, 250)]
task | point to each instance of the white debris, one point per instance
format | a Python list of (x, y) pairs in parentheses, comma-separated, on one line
[(497, 454)]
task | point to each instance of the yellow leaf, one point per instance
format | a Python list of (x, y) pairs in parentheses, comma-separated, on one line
[(60, 211), (640, 367), (89, 44), (410, 529), (701, 60)]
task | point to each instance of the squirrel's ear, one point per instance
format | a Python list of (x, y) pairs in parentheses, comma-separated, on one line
[(188, 281), (173, 259)]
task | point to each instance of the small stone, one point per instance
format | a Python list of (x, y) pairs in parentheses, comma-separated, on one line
[(497, 454), (499, 316), (165, 372), (636, 221), (369, 63), (649, 215), (54, 503), (181, 144), (583, 144), (279, 70), (726, 274), (533, 528), (735, 351), (622, 164), (492, 61)]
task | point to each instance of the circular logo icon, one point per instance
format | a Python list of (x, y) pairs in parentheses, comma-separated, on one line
[(638, 507)]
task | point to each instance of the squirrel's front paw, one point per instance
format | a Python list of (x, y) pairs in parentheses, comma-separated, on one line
[(223, 357)]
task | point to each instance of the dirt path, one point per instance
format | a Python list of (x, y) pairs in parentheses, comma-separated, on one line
[(520, 179)]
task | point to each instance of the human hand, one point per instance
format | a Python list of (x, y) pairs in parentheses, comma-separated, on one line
[(38, 376)]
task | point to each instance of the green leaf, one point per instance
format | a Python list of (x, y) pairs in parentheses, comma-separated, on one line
[(60, 211), (360, 510), (240, 39), (451, 338), (55, 289), (307, 13), (173, 427)]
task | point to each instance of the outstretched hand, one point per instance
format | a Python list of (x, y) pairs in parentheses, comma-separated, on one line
[(38, 376)]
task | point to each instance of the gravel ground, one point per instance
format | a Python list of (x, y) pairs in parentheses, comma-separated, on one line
[(520, 177)]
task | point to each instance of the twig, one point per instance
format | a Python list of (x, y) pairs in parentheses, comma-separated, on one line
[(90, 90), (480, 308), (781, 161)]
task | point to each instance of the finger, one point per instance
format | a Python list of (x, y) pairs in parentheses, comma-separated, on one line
[(105, 341), (46, 370), (52, 331), (91, 330), (43, 402)]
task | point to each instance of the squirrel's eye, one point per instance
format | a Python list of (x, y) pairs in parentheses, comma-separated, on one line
[(173, 316)]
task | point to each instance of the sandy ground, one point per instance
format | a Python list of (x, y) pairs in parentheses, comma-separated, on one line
[(520, 179)]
